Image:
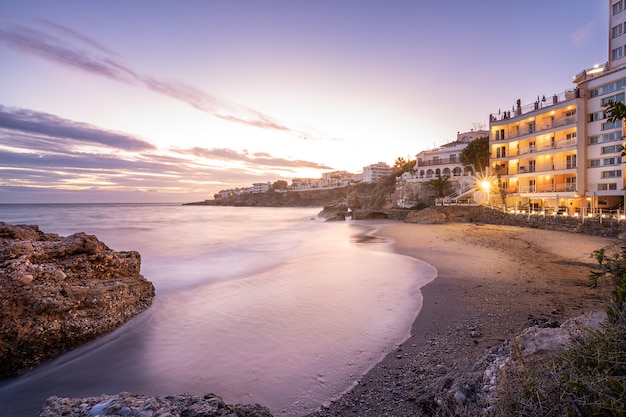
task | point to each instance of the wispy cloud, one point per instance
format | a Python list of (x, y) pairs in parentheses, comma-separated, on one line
[(72, 49), (40, 150), (48, 125), (260, 158)]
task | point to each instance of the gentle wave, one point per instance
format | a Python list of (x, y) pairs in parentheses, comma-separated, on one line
[(258, 305)]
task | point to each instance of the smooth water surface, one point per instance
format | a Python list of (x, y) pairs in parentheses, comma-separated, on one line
[(258, 305)]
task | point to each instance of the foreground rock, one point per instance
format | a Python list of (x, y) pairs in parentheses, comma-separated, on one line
[(59, 292), (131, 405)]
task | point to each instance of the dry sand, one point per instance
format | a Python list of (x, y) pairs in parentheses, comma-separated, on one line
[(492, 282)]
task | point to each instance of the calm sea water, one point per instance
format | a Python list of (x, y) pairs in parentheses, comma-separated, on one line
[(257, 305)]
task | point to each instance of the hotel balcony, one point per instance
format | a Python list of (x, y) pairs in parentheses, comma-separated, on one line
[(440, 161), (539, 168), (545, 188), (548, 147)]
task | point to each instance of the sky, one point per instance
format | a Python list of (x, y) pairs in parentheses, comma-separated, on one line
[(172, 101)]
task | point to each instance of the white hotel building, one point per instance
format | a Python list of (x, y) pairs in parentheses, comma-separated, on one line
[(561, 151)]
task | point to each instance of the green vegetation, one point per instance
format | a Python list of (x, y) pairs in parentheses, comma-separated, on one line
[(588, 378), (441, 185), (615, 111), (476, 154)]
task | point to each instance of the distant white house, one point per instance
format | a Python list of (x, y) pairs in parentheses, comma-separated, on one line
[(445, 160), (306, 183), (339, 178), (261, 187), (375, 172)]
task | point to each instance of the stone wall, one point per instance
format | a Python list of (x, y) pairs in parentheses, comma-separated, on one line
[(596, 226)]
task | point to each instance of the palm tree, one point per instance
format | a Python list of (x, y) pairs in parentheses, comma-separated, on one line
[(440, 185), (616, 111)]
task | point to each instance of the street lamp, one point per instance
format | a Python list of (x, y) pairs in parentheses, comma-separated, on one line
[(486, 185)]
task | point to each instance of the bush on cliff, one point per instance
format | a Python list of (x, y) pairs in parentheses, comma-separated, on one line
[(589, 377)]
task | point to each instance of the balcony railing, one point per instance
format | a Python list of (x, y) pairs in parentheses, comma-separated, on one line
[(440, 161), (539, 168), (540, 104), (561, 144), (561, 122), (547, 188)]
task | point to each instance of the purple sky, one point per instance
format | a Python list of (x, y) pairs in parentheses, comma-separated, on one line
[(172, 101)]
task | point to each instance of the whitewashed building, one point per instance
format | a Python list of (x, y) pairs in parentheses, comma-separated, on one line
[(375, 172)]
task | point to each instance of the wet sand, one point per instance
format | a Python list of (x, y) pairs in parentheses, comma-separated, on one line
[(492, 282)]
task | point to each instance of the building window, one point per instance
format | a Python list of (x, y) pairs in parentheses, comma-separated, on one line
[(532, 165), (615, 98), (611, 161), (612, 125), (617, 30), (570, 184), (609, 137), (594, 117), (612, 174), (570, 162), (610, 186), (617, 53), (594, 163), (617, 8), (610, 149)]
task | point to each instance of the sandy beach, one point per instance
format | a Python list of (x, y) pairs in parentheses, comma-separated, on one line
[(492, 282)]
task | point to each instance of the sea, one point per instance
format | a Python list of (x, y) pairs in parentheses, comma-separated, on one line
[(272, 306)]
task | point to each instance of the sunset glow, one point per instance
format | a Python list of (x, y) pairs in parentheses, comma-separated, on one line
[(158, 101)]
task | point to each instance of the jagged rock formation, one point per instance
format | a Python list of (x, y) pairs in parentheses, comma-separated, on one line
[(59, 292), (132, 405)]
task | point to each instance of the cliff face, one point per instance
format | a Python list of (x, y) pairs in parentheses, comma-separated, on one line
[(309, 198), (59, 292)]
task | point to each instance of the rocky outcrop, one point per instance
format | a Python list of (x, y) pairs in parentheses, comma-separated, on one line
[(336, 211), (59, 292), (132, 405)]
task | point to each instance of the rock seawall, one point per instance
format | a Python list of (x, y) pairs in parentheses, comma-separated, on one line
[(596, 226), (59, 292), (132, 405)]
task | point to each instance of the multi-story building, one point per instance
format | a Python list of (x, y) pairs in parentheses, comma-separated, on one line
[(375, 172), (339, 178), (261, 187), (445, 160), (561, 154), (306, 183), (534, 151)]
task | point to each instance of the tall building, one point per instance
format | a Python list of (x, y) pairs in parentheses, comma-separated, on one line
[(560, 153), (375, 172)]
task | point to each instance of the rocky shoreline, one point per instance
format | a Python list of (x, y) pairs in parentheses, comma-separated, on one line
[(484, 301), (57, 293)]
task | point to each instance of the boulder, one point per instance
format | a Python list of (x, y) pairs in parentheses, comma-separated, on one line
[(59, 292), (133, 405)]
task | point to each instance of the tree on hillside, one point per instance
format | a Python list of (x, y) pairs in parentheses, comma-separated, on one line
[(476, 154), (280, 185), (403, 165), (616, 111), (440, 185), (399, 164)]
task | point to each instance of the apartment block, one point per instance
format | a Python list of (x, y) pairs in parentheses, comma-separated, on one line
[(375, 172), (560, 154)]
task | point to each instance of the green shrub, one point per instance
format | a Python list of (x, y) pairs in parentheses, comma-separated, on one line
[(589, 377)]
